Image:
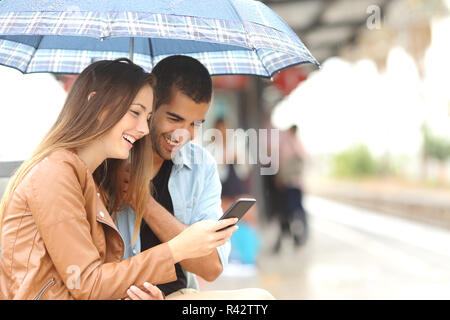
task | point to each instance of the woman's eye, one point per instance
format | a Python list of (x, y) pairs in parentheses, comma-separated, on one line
[(135, 112)]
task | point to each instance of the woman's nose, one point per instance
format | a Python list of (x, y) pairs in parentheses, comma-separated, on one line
[(143, 127)]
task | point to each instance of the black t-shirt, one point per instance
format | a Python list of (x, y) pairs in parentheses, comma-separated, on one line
[(148, 238)]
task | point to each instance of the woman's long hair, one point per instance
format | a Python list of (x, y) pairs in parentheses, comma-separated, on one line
[(116, 84)]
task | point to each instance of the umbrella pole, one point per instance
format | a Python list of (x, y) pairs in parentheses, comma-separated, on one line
[(131, 48)]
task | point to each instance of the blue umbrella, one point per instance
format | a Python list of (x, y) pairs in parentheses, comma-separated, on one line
[(227, 36)]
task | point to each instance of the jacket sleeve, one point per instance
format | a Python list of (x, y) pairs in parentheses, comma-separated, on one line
[(57, 204)]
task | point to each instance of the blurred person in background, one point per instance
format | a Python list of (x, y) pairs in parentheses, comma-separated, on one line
[(234, 176), (291, 213)]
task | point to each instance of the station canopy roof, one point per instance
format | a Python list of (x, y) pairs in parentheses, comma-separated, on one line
[(326, 26)]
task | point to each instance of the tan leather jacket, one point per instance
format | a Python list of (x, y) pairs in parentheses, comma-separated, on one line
[(59, 242)]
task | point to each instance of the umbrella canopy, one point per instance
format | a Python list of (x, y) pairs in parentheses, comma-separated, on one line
[(227, 36)]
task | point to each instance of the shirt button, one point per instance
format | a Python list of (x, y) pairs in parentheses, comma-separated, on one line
[(134, 251), (101, 214)]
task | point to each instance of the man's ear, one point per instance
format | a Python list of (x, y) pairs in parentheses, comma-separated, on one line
[(91, 95)]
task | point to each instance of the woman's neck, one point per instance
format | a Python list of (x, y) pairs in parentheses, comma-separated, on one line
[(90, 156)]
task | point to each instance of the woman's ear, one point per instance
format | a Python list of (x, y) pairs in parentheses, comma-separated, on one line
[(91, 95)]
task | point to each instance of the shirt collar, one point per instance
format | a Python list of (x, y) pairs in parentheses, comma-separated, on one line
[(182, 157)]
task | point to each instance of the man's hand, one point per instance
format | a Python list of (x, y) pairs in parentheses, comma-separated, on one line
[(123, 183), (123, 179), (151, 293)]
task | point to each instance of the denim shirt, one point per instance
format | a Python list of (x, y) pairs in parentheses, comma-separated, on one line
[(195, 189)]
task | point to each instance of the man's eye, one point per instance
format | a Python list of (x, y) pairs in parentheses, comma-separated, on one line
[(174, 119)]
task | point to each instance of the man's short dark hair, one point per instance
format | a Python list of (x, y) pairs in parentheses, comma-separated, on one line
[(184, 73)]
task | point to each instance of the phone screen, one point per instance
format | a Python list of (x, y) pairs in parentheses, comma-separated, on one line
[(238, 209)]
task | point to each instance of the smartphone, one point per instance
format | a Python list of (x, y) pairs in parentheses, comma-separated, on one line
[(238, 209)]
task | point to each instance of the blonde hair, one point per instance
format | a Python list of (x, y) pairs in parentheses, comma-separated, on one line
[(116, 84)]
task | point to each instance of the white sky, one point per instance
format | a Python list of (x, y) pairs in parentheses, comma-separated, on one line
[(347, 103), (29, 106)]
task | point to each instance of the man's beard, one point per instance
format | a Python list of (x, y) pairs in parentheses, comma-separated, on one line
[(158, 143), (154, 137)]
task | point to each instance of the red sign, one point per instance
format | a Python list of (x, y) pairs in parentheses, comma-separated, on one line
[(288, 79), (68, 80), (231, 82)]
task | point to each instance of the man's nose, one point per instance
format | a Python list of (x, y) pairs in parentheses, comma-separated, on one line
[(191, 131), (186, 129), (182, 134)]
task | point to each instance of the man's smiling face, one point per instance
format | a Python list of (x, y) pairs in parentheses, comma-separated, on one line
[(175, 123)]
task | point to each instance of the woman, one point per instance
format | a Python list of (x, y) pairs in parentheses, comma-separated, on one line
[(58, 240)]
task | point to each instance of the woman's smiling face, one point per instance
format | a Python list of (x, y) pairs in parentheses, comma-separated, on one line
[(119, 140)]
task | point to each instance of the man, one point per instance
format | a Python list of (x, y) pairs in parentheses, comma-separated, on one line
[(185, 180)]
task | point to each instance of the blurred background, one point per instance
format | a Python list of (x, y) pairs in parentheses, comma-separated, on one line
[(360, 205)]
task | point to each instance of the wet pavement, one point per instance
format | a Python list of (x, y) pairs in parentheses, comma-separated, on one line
[(351, 253)]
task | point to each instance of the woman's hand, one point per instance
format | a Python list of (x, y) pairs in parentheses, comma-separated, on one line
[(151, 293), (201, 238)]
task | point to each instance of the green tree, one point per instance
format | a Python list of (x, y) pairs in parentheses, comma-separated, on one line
[(437, 148), (434, 146), (355, 162)]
